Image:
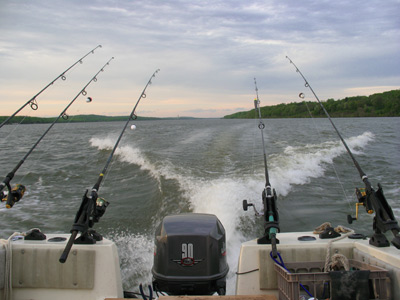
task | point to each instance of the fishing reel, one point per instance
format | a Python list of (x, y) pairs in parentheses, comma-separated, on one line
[(91, 210), (363, 200), (100, 209), (246, 206), (94, 213), (13, 195)]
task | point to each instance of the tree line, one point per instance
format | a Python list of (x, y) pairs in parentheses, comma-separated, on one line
[(386, 104), (76, 118)]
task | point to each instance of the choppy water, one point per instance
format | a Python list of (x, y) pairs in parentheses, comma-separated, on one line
[(207, 166)]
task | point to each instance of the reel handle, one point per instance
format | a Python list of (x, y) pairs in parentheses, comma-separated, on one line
[(350, 219), (246, 205)]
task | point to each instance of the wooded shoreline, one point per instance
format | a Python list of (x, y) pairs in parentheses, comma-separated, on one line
[(386, 104)]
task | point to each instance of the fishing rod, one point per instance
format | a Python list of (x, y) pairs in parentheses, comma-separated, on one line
[(261, 126), (33, 102), (373, 201), (271, 216), (93, 207), (16, 193)]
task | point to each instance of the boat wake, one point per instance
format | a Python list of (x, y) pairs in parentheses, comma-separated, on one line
[(128, 154), (299, 165), (136, 258), (222, 196)]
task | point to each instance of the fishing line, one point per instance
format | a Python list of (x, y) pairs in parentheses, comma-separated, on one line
[(108, 173), (32, 102), (15, 127), (15, 196), (254, 145), (21, 122), (373, 201), (307, 85), (132, 116), (38, 159), (270, 212), (301, 95), (93, 207), (261, 126)]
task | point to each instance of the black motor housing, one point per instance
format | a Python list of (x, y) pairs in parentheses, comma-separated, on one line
[(190, 255)]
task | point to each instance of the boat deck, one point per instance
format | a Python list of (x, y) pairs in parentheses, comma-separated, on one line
[(92, 271), (227, 297), (257, 275)]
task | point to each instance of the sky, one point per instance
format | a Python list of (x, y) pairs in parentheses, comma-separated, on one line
[(208, 53)]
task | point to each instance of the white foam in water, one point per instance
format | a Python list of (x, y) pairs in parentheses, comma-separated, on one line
[(128, 154), (223, 197), (298, 165), (102, 144), (136, 258)]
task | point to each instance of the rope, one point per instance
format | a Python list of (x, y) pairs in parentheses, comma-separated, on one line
[(338, 261), (328, 250), (144, 295), (340, 228), (247, 272), (321, 228), (7, 292), (329, 261), (343, 229)]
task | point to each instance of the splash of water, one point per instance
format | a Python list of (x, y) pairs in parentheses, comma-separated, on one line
[(128, 154), (223, 196), (299, 165), (136, 258)]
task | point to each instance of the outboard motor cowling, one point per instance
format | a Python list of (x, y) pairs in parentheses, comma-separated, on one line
[(190, 255)]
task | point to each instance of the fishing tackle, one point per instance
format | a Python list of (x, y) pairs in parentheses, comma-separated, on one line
[(32, 102), (6, 182), (271, 216), (91, 208), (374, 201), (15, 194)]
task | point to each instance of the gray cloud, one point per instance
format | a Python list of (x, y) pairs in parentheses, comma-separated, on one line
[(208, 51)]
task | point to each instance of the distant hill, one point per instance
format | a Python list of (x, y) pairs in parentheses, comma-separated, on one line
[(386, 104), (77, 118)]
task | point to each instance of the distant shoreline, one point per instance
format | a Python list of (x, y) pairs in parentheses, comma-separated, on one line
[(386, 104), (79, 119)]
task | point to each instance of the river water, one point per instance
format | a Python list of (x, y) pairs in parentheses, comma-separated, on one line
[(202, 165)]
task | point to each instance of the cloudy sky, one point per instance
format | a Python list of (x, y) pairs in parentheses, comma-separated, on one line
[(208, 52)]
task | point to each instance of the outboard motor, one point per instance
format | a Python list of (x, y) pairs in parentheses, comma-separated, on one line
[(190, 255)]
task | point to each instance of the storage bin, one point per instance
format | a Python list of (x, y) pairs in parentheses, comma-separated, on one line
[(319, 283)]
